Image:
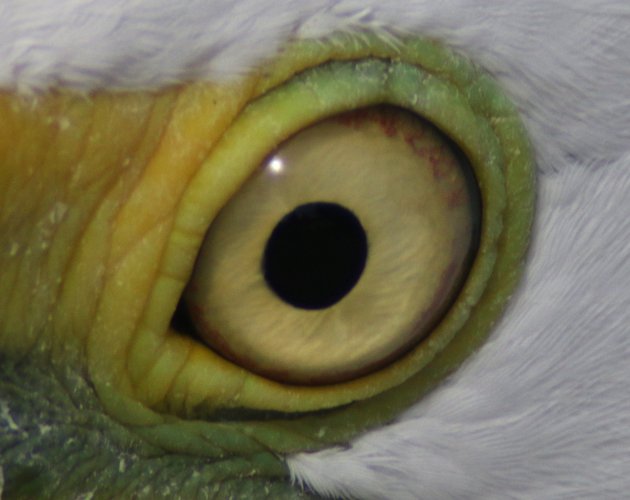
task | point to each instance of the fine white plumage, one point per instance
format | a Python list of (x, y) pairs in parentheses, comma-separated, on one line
[(543, 410)]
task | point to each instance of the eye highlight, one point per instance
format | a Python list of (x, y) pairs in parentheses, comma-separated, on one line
[(343, 250)]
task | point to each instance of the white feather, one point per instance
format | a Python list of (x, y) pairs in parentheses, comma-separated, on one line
[(543, 410)]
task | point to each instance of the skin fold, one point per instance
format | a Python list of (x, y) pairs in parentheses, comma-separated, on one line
[(92, 186)]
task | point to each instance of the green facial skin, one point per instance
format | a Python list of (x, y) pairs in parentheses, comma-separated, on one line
[(105, 202)]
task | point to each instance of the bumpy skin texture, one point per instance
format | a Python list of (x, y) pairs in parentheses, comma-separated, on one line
[(543, 410), (58, 442)]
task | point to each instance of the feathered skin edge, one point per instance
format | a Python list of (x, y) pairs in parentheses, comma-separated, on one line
[(543, 410)]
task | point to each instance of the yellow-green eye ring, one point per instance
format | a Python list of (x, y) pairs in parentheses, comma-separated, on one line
[(310, 82)]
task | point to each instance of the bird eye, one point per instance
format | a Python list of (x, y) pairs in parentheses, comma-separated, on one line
[(343, 250), (418, 160), (290, 258)]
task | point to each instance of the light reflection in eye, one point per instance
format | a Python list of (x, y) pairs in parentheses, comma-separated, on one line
[(275, 165)]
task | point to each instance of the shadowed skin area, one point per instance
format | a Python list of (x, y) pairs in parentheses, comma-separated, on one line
[(105, 200)]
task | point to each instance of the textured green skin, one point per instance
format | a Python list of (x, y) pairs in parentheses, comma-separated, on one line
[(57, 441)]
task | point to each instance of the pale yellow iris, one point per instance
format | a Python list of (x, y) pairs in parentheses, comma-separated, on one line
[(403, 182)]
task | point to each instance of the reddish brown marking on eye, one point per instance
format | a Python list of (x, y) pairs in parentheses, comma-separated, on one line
[(354, 120), (415, 142), (388, 125), (434, 155), (357, 119), (436, 158)]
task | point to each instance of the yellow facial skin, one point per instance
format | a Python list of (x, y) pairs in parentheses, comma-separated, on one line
[(105, 200), (90, 187)]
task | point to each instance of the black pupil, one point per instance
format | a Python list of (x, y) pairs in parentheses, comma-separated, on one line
[(315, 255)]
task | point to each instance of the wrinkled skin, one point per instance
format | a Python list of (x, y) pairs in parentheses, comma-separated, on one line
[(503, 426)]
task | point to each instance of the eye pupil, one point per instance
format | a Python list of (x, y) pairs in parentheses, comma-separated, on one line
[(315, 255)]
